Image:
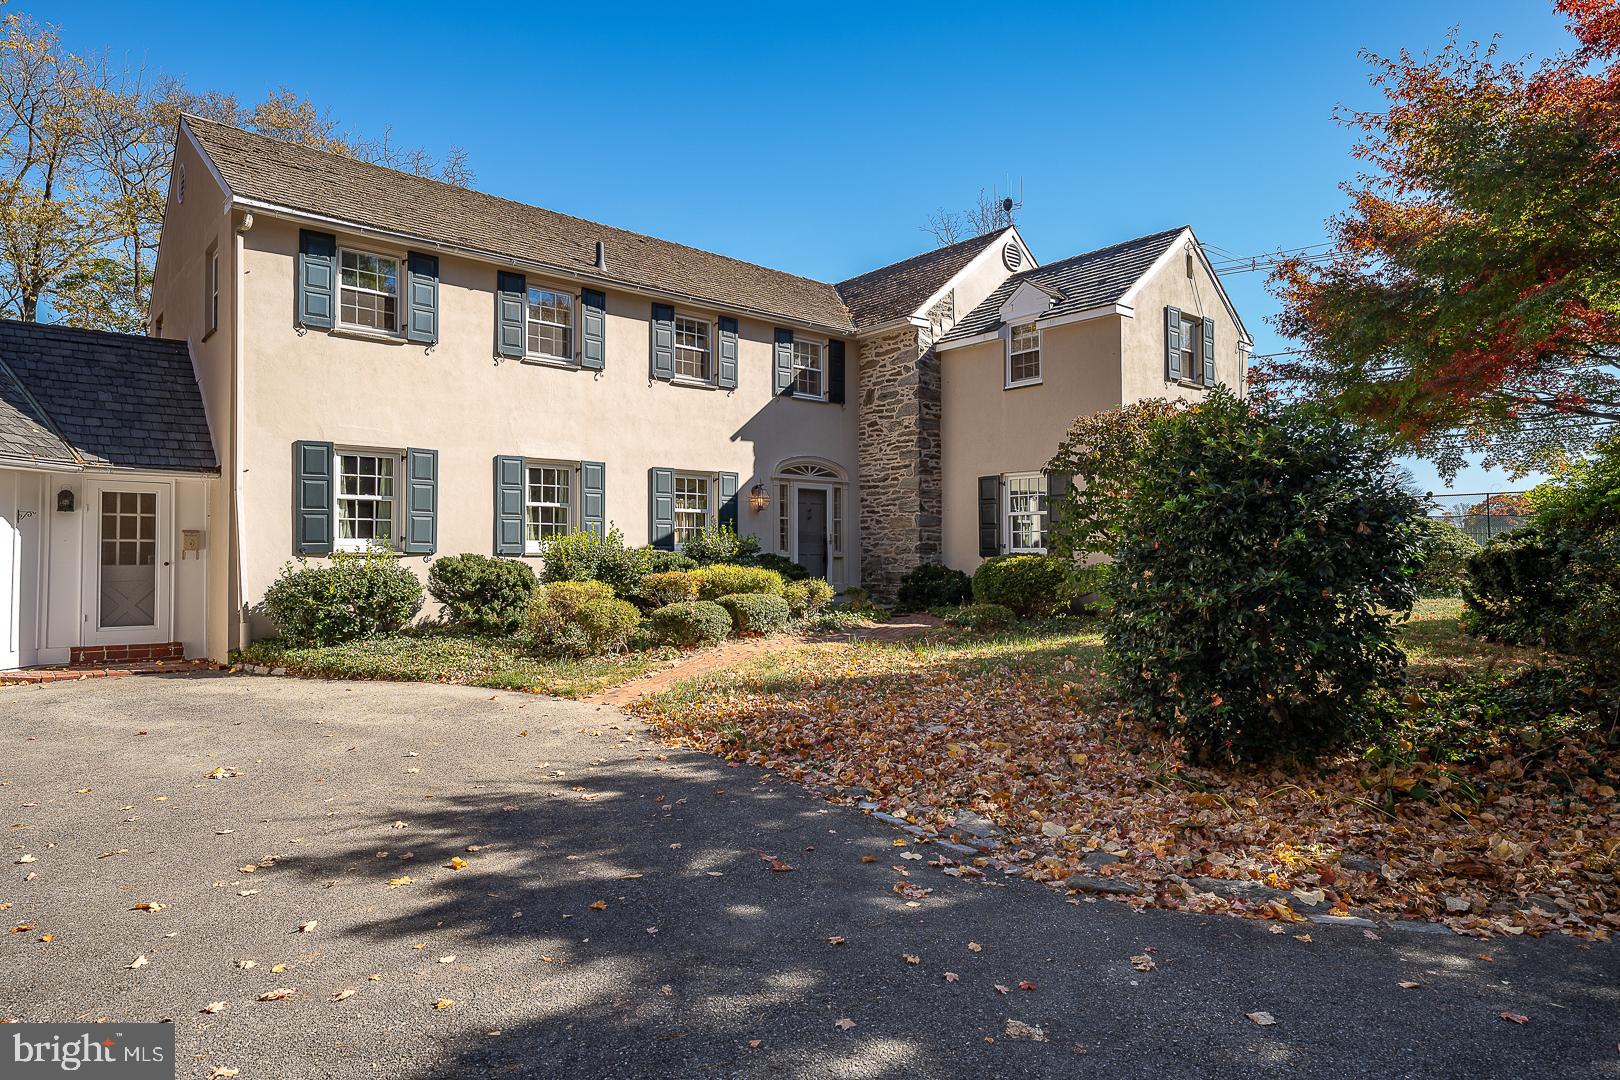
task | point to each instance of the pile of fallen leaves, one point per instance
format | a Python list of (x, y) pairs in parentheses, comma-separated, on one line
[(1083, 794)]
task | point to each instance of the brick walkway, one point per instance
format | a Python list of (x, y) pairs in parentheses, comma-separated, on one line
[(72, 672), (732, 653)]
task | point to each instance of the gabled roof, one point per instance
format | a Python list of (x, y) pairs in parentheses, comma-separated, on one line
[(296, 178), (895, 291), (88, 398), (1080, 283)]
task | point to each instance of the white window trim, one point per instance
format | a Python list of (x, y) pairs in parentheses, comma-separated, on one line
[(711, 509), (395, 455), (211, 316), (1007, 512), (573, 324), (820, 369), (532, 547), (710, 362), (1008, 382), (398, 329)]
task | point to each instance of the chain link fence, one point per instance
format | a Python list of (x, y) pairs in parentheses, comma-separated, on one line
[(1481, 514)]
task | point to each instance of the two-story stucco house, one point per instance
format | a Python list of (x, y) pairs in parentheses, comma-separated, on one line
[(384, 359)]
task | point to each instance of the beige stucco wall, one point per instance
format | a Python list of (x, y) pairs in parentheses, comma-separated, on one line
[(990, 430), (179, 297), (458, 399), (1199, 295)]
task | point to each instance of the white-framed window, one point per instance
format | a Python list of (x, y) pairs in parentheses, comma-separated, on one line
[(367, 507), (694, 508), (548, 503), (809, 369), (784, 520), (1026, 513), (1192, 348), (368, 286), (692, 354), (213, 290), (550, 319), (1024, 355)]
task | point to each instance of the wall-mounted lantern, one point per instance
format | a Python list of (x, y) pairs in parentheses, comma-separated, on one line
[(759, 499), (64, 501)]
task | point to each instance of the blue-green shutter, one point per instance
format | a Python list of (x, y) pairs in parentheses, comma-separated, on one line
[(783, 365), (726, 352), (422, 298), (317, 280), (511, 298), (1209, 352), (663, 342), (593, 497), (728, 500), (508, 505), (312, 498), (1172, 343), (592, 329), (421, 502), (835, 372), (989, 516), (661, 508)]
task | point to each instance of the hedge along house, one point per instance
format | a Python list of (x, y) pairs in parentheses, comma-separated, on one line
[(106, 475), (386, 359)]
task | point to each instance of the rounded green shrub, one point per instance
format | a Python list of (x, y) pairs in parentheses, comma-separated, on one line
[(584, 556), (661, 561), (1441, 566), (807, 597), (700, 622), (349, 596), (721, 545), (553, 616), (480, 593), (790, 570), (728, 579), (1028, 584), (983, 617), (607, 624), (930, 585), (756, 613), (1262, 562), (672, 587)]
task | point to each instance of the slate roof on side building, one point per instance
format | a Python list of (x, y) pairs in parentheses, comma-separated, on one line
[(1081, 282), (101, 400), (899, 289)]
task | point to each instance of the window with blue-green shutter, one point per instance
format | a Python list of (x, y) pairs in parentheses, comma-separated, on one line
[(1209, 352), (422, 298), (726, 354), (728, 500), (835, 372), (421, 502), (662, 334), (509, 504), (312, 498), (782, 361), (661, 508), (593, 497), (1172, 344), (592, 329), (511, 296), (317, 280)]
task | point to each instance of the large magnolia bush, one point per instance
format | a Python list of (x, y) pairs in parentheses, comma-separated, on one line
[(1263, 557)]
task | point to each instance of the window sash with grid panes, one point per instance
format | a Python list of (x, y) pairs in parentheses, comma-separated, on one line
[(691, 508), (1024, 354), (550, 323), (692, 349), (128, 528), (547, 503), (1026, 513), (1192, 335), (365, 500), (369, 291), (783, 520), (807, 369)]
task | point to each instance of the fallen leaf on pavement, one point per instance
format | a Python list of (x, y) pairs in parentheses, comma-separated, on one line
[(1000, 989), (214, 1007), (1407, 984), (456, 862), (1026, 984), (140, 962), (835, 940), (343, 995), (1143, 962), (280, 993), (443, 1003), (911, 958), (277, 969), (951, 976), (307, 927), (1017, 1029), (26, 859), (394, 883), (1517, 1018), (220, 1072), (974, 946), (1264, 1019), (447, 959), (844, 1025), (599, 905), (775, 863)]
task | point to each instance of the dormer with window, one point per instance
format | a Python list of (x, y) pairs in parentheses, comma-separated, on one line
[(1189, 348)]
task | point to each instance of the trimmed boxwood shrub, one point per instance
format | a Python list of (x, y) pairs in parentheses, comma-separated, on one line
[(1262, 563), (607, 624), (982, 617), (721, 545), (1442, 560), (930, 585), (673, 587), (756, 613), (701, 622), (1028, 584), (480, 593), (553, 616), (583, 556), (350, 596), (727, 579), (661, 561), (790, 570), (807, 597)]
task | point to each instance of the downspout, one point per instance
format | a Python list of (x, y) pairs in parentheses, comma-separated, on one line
[(234, 551)]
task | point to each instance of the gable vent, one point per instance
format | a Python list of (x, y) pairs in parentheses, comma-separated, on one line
[(1012, 257)]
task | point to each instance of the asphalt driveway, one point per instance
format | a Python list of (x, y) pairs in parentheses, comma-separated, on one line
[(616, 917)]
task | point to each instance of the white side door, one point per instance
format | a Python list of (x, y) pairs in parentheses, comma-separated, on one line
[(127, 597)]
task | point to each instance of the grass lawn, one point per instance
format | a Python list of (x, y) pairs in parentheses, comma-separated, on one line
[(1492, 823), (432, 655)]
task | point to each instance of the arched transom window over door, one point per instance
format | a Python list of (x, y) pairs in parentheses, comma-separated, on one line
[(811, 501)]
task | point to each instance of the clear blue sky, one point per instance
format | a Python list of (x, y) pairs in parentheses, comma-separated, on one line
[(818, 142)]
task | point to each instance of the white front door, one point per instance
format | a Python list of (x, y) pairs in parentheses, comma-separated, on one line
[(126, 587)]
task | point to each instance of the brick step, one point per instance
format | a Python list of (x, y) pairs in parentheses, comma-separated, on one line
[(115, 654)]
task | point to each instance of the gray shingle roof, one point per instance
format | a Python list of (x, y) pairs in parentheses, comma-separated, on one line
[(103, 400), (1081, 282), (301, 179), (899, 289)]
